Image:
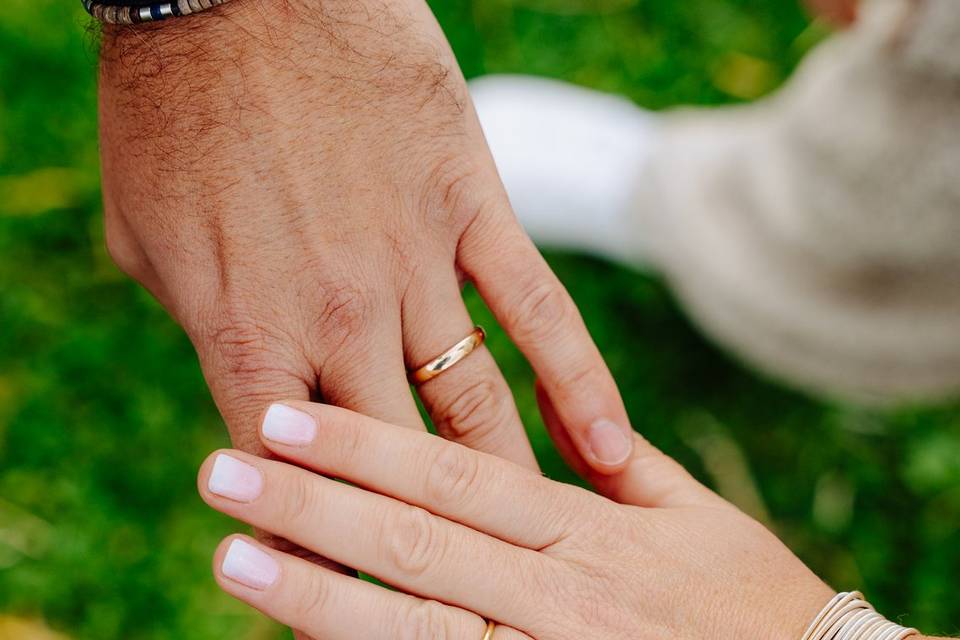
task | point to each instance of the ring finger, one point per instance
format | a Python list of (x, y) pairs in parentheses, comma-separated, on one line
[(470, 402), (328, 605)]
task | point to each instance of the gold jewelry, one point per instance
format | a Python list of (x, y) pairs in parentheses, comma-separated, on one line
[(448, 358), (491, 627)]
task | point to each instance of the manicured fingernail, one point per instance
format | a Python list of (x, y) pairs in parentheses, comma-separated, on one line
[(233, 479), (286, 425), (250, 566), (608, 442)]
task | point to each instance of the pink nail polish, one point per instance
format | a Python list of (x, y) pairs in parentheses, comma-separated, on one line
[(288, 426), (249, 566), (609, 444), (236, 480)]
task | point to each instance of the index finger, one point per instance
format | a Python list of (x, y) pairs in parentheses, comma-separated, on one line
[(541, 318), (476, 489)]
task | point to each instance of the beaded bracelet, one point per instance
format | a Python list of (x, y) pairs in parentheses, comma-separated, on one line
[(120, 12), (849, 617)]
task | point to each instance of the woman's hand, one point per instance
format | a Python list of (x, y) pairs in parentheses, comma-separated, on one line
[(466, 536)]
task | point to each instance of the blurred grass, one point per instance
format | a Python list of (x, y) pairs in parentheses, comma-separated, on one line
[(104, 416)]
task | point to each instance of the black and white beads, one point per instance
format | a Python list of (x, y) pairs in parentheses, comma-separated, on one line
[(137, 13)]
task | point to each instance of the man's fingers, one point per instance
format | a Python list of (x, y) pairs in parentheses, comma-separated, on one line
[(245, 369), (367, 374), (331, 606), (538, 313), (469, 403), (649, 479)]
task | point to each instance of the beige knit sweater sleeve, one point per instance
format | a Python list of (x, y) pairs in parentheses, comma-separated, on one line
[(817, 233)]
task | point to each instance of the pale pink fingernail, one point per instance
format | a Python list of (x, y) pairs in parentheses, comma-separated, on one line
[(609, 444), (233, 479), (286, 425), (249, 566)]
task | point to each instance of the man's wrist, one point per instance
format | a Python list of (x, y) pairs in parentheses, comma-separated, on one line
[(275, 60), (252, 81), (202, 35)]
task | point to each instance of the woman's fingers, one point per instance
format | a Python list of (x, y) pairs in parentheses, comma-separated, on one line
[(402, 545), (246, 370), (469, 403), (328, 605), (538, 313), (479, 490), (649, 479)]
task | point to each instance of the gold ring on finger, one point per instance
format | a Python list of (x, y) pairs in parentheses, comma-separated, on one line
[(448, 358)]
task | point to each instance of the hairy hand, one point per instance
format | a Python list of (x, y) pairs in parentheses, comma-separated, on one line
[(488, 539), (304, 185)]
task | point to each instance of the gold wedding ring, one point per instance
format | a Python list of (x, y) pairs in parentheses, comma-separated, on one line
[(491, 626), (448, 358)]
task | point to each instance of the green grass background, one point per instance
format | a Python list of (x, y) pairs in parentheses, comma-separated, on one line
[(104, 416)]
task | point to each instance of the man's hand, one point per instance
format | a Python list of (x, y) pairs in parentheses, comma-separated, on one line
[(304, 185)]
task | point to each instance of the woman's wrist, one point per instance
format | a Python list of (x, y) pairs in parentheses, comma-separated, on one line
[(848, 615), (794, 608)]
